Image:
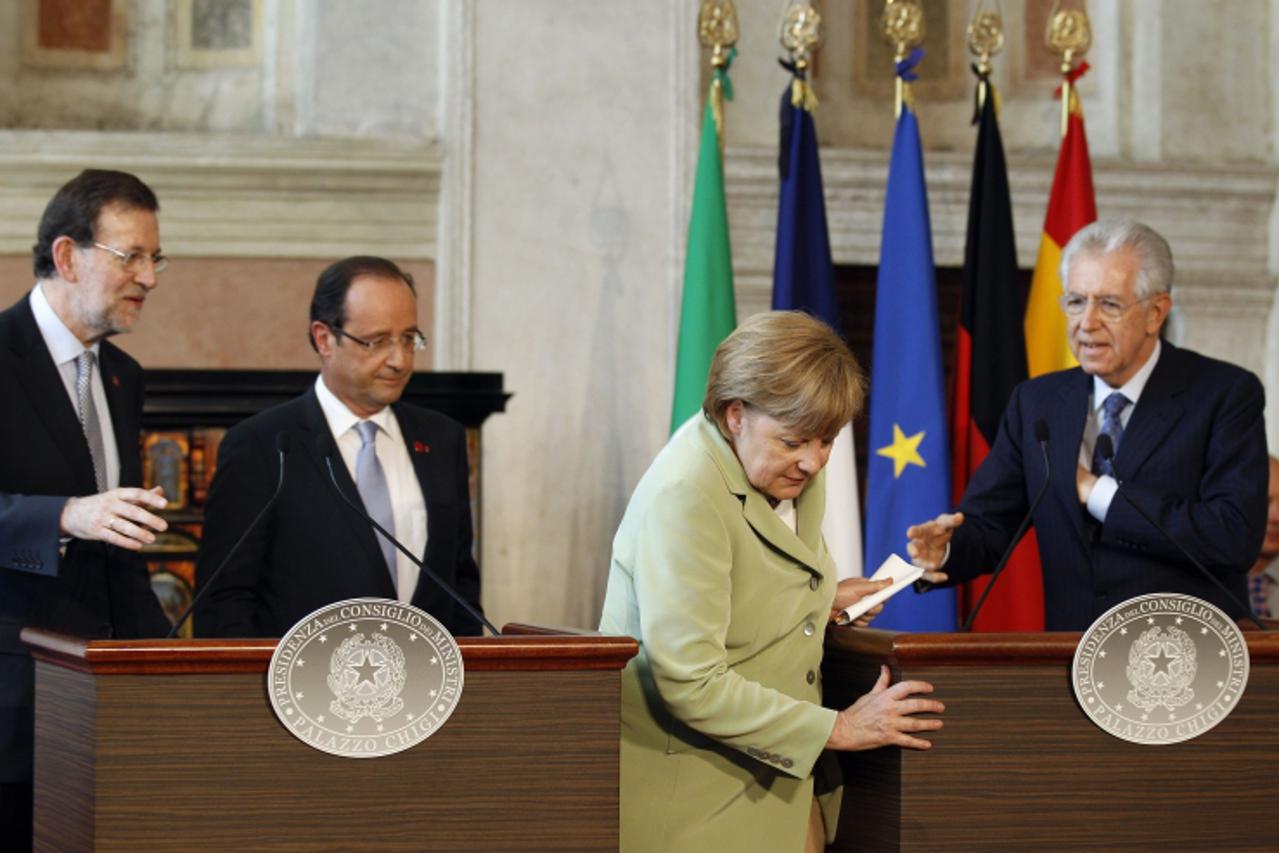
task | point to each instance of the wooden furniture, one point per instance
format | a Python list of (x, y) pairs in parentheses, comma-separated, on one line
[(162, 745), (1019, 767)]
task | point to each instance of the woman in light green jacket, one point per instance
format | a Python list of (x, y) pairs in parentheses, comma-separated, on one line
[(720, 571)]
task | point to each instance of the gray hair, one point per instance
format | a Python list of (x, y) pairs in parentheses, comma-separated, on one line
[(1154, 257)]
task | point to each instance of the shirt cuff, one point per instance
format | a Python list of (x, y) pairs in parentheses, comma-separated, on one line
[(1101, 496)]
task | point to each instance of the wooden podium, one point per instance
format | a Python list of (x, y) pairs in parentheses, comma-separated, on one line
[(172, 744), (1019, 767)]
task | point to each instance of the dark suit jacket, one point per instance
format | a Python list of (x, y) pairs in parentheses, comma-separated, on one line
[(1193, 456), (312, 549), (95, 590)]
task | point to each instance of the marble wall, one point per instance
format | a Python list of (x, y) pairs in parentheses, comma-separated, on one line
[(533, 159)]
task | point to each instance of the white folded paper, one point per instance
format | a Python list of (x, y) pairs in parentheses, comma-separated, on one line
[(903, 575)]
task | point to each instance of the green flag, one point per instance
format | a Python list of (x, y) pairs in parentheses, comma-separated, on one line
[(707, 313)]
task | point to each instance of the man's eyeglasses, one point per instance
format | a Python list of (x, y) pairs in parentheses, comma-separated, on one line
[(411, 341), (133, 260), (1075, 305)]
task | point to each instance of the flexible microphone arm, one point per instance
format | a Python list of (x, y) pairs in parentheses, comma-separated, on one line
[(283, 441), (1106, 448), (1041, 436), (466, 605)]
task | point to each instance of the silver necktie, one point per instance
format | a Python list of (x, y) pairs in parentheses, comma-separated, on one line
[(89, 416), (370, 479)]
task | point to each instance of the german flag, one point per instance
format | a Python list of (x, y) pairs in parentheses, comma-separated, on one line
[(990, 359), (1071, 206)]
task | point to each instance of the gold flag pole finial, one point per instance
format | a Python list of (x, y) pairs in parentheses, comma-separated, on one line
[(903, 26), (985, 40), (801, 33), (1069, 35), (717, 29)]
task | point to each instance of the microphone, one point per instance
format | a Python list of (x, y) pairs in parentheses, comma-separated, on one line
[(322, 448), (283, 443), (1041, 436), (1106, 449)]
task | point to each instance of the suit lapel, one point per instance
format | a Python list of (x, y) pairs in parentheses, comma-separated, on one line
[(1068, 421), (1156, 414), (124, 417), (418, 442), (762, 518), (44, 388), (321, 443)]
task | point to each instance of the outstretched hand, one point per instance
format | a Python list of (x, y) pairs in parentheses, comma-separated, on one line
[(118, 517), (927, 543)]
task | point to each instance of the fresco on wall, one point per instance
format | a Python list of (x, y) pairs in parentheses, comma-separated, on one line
[(74, 34)]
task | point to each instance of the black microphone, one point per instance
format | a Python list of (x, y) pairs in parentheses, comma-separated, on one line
[(1106, 449), (283, 443), (1041, 436), (322, 448)]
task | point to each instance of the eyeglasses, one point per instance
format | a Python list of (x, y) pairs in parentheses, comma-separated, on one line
[(133, 260), (1075, 305), (411, 341)]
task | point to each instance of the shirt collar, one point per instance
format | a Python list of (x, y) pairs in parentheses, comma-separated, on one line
[(63, 345), (1133, 387), (339, 417)]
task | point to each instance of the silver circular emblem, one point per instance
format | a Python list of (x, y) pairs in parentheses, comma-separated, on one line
[(1160, 668), (365, 677)]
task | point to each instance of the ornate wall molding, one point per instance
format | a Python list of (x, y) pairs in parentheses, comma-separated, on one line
[(1218, 220), (242, 196)]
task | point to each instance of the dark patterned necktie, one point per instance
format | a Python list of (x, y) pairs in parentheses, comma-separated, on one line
[(1112, 426)]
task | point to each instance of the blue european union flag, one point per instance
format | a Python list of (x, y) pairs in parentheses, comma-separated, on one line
[(908, 458)]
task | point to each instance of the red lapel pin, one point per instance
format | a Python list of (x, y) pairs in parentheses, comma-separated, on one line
[(419, 447), (115, 381)]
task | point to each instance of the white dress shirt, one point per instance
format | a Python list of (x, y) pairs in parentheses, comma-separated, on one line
[(65, 348), (407, 503), (1104, 490)]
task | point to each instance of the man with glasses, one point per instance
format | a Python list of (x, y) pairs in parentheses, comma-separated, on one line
[(1188, 441), (405, 466), (72, 514)]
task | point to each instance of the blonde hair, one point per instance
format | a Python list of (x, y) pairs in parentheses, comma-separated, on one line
[(790, 366)]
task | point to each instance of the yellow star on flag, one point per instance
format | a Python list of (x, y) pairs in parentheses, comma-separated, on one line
[(903, 451)]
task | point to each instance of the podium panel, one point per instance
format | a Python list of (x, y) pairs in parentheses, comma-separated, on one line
[(1019, 766), (167, 744)]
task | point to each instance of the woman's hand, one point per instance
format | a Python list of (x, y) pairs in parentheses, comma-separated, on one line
[(852, 590), (884, 716)]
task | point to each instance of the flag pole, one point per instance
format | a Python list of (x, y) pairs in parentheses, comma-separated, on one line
[(903, 27), (985, 40), (801, 33), (717, 29), (1069, 35)]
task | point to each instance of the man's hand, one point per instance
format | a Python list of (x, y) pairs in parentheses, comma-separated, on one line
[(118, 517), (883, 717), (1084, 482), (852, 590), (928, 541)]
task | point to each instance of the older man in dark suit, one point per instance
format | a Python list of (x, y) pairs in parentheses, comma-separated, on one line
[(72, 514), (405, 466), (1189, 450)]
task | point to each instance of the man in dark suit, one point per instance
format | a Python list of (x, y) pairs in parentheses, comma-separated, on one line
[(405, 465), (1189, 449), (72, 514)]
